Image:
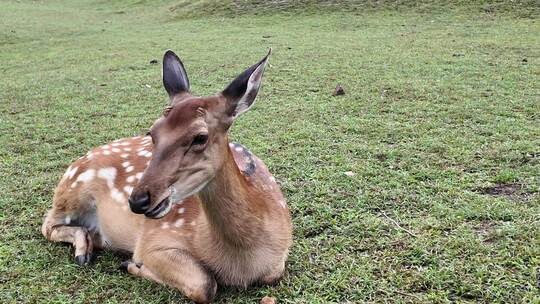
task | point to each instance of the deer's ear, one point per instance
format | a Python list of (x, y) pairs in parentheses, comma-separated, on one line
[(242, 91), (175, 79)]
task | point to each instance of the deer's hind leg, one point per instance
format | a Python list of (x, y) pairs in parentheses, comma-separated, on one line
[(176, 268), (73, 221)]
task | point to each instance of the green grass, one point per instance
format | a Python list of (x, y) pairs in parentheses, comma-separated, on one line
[(231, 8), (441, 114)]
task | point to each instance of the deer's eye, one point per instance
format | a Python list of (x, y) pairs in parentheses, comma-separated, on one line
[(200, 140)]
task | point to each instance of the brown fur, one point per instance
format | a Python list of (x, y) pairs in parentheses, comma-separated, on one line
[(228, 221), (235, 227)]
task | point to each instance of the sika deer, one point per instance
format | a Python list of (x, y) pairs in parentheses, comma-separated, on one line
[(203, 210)]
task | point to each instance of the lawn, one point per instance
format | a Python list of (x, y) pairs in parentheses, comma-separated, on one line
[(421, 184)]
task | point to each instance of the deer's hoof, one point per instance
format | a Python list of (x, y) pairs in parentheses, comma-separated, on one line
[(124, 266), (83, 259)]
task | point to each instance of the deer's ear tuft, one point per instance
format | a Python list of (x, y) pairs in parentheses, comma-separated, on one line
[(243, 90), (175, 79)]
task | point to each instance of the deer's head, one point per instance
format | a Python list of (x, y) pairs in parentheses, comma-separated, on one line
[(190, 138)]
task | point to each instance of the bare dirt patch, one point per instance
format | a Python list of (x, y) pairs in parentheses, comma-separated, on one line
[(502, 189), (486, 231), (512, 191)]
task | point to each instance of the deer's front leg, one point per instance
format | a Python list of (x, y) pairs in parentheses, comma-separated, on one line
[(275, 275), (79, 237), (83, 240), (178, 269), (138, 269)]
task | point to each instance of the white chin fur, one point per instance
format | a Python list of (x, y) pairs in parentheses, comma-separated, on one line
[(164, 211), (177, 196)]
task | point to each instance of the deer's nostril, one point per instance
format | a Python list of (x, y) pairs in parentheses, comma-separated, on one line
[(139, 203)]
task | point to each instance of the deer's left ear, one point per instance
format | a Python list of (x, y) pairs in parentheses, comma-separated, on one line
[(242, 91)]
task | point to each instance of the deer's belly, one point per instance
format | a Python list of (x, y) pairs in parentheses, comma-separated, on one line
[(119, 228)]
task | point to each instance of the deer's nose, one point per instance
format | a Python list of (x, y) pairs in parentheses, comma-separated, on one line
[(139, 202)]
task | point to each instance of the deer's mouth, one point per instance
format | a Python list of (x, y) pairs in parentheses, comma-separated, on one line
[(160, 210)]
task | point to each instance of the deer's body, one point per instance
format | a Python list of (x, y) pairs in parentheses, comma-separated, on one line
[(230, 225)]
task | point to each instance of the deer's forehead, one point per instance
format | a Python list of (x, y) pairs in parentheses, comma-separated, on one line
[(189, 115), (192, 109)]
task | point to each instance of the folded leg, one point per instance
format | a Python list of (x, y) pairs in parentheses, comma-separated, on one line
[(178, 269)]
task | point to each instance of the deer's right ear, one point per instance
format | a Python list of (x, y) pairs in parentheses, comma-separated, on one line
[(175, 79)]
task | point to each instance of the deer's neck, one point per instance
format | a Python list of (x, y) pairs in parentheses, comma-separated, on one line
[(234, 217)]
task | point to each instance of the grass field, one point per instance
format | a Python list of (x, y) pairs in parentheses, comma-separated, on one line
[(420, 184)]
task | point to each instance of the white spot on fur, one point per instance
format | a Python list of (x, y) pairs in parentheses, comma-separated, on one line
[(125, 164), (115, 150), (105, 147), (130, 179), (117, 195), (181, 210), (165, 226), (142, 152), (73, 172), (115, 144), (108, 174), (125, 144), (70, 172), (129, 169), (148, 154), (128, 189), (106, 152), (67, 220), (125, 155), (86, 176), (127, 149), (138, 175), (179, 222), (66, 173)]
